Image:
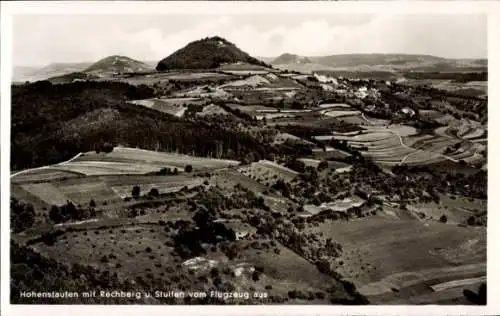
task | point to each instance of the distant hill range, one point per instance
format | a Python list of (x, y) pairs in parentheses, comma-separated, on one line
[(117, 65), (66, 72), (377, 62), (210, 52), (291, 59), (21, 74)]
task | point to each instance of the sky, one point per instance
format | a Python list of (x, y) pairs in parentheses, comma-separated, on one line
[(39, 40)]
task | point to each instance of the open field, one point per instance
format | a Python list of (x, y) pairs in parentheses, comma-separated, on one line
[(123, 160), (105, 190), (124, 249), (336, 206), (46, 192), (405, 255), (172, 106), (163, 187), (212, 109), (228, 179), (107, 178), (81, 191), (43, 174), (268, 172)]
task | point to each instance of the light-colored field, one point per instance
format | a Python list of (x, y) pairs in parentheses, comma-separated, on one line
[(270, 116), (46, 192), (204, 92), (103, 189), (288, 271), (43, 174), (85, 189), (123, 160), (163, 187), (334, 105), (337, 205), (127, 245), (407, 279), (229, 178), (455, 283), (93, 168), (334, 113), (108, 177), (212, 109), (401, 130), (252, 81), (381, 254), (172, 106)]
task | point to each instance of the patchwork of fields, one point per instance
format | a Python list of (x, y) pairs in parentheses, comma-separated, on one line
[(109, 177)]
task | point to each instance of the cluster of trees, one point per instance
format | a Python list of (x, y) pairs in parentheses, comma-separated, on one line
[(189, 238), (22, 215), (68, 211), (206, 53)]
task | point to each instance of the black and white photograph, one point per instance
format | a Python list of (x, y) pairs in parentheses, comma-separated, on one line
[(231, 158)]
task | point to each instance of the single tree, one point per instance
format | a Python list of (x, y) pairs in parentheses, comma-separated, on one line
[(136, 191)]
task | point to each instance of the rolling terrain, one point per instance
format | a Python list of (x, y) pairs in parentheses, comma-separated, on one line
[(217, 172)]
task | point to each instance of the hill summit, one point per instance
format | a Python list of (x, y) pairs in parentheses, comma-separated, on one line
[(117, 64), (210, 52), (290, 59)]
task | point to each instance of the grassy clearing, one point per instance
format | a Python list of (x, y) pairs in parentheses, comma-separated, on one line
[(341, 113), (134, 160), (163, 187), (93, 168), (124, 249), (45, 174), (172, 106), (286, 271), (227, 179), (47, 193), (81, 191), (268, 172)]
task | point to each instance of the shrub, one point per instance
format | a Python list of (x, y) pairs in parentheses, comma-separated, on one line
[(256, 275), (443, 219), (136, 191), (188, 168), (471, 221), (154, 192)]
